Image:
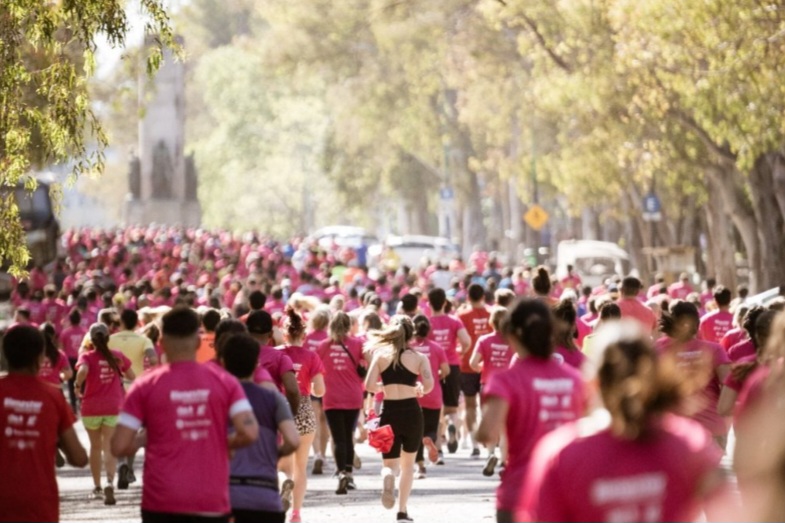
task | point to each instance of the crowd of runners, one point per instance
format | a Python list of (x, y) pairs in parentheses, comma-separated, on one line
[(236, 362)]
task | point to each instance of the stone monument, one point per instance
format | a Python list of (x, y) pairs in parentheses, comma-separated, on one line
[(162, 181)]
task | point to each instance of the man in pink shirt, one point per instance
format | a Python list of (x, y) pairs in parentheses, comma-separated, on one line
[(185, 408), (681, 289), (631, 307), (715, 325)]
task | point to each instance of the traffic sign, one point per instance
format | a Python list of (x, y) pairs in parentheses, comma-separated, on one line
[(536, 217), (652, 208)]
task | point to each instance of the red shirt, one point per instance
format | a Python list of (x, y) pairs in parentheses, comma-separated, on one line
[(715, 325), (476, 321), (33, 415)]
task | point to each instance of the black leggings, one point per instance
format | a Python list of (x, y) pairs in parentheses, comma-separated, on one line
[(166, 517), (405, 419), (71, 382), (342, 423), (257, 516), (431, 418)]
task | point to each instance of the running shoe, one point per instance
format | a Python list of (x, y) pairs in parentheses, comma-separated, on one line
[(343, 485), (122, 477), (131, 475), (318, 467), (97, 493), (476, 452), (286, 494), (490, 466), (109, 495), (430, 446), (452, 442), (350, 483), (440, 458), (420, 474), (59, 459), (295, 518), (388, 493), (403, 517)]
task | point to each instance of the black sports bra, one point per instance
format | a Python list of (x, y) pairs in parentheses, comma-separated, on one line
[(398, 375)]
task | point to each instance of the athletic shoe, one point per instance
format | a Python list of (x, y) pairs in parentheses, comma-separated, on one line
[(59, 459), (465, 444), (318, 467), (97, 493), (430, 446), (440, 458), (420, 474), (131, 475), (350, 482), (452, 442), (122, 477), (286, 494), (388, 492), (343, 485), (109, 495), (357, 463), (490, 466), (476, 453), (403, 517), (295, 518)]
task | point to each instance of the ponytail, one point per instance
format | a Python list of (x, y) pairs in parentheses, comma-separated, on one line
[(396, 337), (50, 344), (422, 326), (541, 283), (100, 342), (340, 325), (530, 323), (293, 324)]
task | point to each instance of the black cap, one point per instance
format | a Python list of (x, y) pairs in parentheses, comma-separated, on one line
[(259, 322)]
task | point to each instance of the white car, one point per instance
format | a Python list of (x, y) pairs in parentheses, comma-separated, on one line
[(413, 250), (343, 236)]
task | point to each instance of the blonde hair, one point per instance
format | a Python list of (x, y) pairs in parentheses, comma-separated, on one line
[(320, 318), (340, 326), (395, 338)]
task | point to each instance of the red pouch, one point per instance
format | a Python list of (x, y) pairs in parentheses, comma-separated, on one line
[(382, 438)]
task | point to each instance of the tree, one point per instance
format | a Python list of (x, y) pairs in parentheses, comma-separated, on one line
[(47, 52)]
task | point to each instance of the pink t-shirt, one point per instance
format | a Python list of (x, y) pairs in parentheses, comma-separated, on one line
[(186, 408), (103, 387), (436, 357), (71, 339), (275, 362), (751, 392), (343, 386), (584, 329), (604, 478), (307, 365), (444, 331), (575, 358), (734, 384), (633, 308), (51, 373), (314, 339), (496, 355), (741, 350), (715, 325), (541, 395), (732, 337), (696, 353)]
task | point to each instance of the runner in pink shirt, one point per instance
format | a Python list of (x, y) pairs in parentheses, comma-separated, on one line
[(186, 408), (681, 289), (318, 323), (737, 333), (648, 465), (273, 362), (309, 372), (715, 325), (531, 398), (55, 368), (631, 307), (101, 371), (566, 349), (431, 403), (341, 354)]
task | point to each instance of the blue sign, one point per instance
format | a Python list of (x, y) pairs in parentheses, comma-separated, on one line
[(446, 193), (651, 204)]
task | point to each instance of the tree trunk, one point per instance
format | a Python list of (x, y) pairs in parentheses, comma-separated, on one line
[(721, 259), (770, 223)]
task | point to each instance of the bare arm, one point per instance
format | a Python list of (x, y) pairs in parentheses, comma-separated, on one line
[(151, 356), (291, 390), (372, 377), (722, 372), (74, 451), (277, 336), (129, 374), (290, 437), (476, 361), (425, 374), (246, 430), (317, 385), (494, 414), (67, 373), (464, 340), (123, 441), (81, 375), (444, 370), (727, 401)]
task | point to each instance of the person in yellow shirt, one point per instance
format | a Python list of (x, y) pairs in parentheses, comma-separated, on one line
[(136, 347)]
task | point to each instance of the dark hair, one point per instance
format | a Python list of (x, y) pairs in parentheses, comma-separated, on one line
[(224, 329), (541, 283), (293, 324), (50, 342), (210, 319), (373, 321), (107, 316), (566, 315), (631, 286), (129, 318), (750, 319), (476, 292), (503, 297), (437, 299), (259, 322), (180, 322), (22, 346), (531, 323), (610, 311), (636, 385), (409, 303), (760, 337), (101, 344), (722, 296), (75, 317), (422, 326), (240, 354), (152, 331), (743, 291), (679, 309), (256, 300)]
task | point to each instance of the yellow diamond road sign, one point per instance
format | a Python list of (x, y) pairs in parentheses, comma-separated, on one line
[(536, 217)]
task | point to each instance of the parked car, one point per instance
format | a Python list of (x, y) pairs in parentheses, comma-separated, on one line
[(413, 250)]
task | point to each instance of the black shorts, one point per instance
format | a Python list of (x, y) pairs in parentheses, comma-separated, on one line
[(451, 387), (405, 419), (470, 383)]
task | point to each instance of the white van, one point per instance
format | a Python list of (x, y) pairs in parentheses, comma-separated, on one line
[(594, 261)]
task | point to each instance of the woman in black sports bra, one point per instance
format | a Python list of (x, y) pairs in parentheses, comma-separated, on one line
[(399, 368)]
